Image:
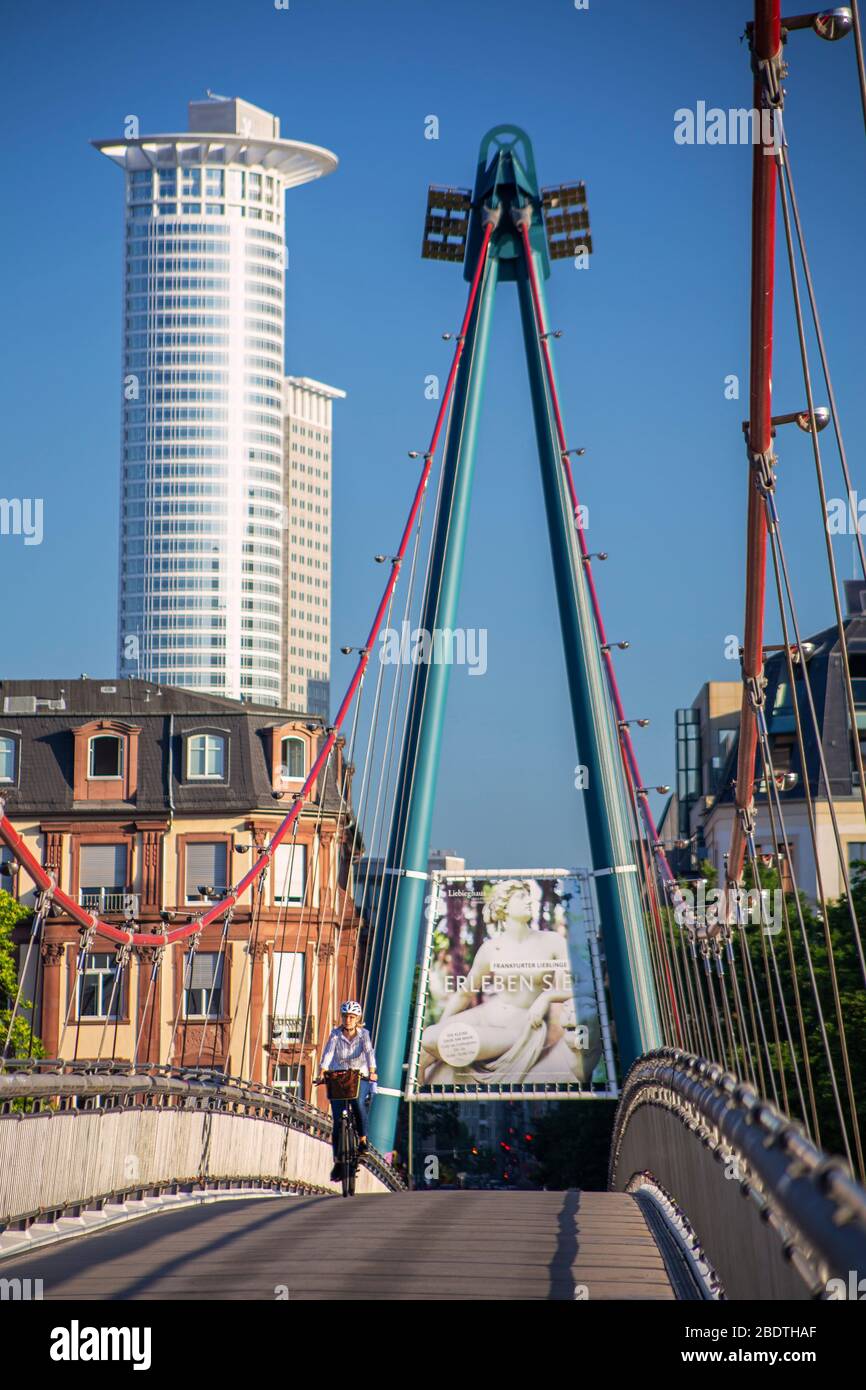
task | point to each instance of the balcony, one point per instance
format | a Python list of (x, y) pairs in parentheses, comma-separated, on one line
[(286, 1030), (105, 901)]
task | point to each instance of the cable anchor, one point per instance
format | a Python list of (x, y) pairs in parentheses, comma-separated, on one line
[(763, 469), (755, 687)]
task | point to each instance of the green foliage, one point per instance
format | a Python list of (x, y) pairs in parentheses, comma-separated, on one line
[(778, 986), (12, 915)]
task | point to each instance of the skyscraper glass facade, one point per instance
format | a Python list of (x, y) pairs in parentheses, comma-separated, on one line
[(203, 584)]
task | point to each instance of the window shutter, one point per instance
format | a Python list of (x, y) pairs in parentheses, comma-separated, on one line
[(289, 889), (204, 964), (205, 864), (288, 976), (102, 866)]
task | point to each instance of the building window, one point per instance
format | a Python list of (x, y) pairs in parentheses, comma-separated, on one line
[(97, 983), (289, 1078), (290, 873), (7, 759), (203, 992), (292, 762), (102, 877), (856, 853), (206, 757), (288, 981), (205, 868), (688, 756), (105, 756)]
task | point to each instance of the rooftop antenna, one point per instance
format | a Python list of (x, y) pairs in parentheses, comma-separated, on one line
[(215, 96)]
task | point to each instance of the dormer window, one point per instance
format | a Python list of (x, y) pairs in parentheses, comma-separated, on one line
[(291, 752), (292, 759), (105, 756), (105, 764), (206, 757)]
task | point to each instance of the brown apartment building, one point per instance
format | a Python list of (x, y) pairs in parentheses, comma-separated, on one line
[(147, 802)]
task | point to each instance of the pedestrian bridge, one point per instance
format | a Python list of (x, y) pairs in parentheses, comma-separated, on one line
[(154, 1184)]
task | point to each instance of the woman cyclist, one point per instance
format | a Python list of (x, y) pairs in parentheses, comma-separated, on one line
[(349, 1047)]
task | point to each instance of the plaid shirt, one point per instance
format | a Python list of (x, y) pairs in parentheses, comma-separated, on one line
[(344, 1054)]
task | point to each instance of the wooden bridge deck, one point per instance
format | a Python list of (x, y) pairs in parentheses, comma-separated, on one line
[(420, 1245)]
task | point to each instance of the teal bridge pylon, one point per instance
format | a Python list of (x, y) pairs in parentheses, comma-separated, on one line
[(509, 231)]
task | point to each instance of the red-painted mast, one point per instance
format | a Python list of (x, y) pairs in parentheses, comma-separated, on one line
[(766, 41)]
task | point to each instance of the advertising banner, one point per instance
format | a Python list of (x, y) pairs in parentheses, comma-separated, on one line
[(511, 998)]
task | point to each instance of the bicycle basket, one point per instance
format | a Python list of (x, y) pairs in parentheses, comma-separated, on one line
[(343, 1085)]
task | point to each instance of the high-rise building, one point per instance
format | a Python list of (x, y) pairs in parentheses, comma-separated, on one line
[(307, 542), (204, 590)]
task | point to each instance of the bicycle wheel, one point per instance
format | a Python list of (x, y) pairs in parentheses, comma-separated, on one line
[(348, 1152)]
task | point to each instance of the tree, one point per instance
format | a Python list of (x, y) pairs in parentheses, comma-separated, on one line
[(20, 1044)]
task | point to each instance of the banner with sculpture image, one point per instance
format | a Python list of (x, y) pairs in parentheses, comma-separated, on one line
[(511, 998)]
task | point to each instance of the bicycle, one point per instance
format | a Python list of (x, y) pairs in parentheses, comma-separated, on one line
[(345, 1086)]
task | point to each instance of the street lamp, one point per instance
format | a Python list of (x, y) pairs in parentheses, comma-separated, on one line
[(801, 418), (827, 24), (623, 646)]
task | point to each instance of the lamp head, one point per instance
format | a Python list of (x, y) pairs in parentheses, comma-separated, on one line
[(822, 419), (833, 24)]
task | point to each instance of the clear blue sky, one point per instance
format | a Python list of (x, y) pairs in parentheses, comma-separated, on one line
[(651, 331)]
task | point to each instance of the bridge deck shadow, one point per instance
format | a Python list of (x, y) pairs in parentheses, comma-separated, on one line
[(419, 1245)]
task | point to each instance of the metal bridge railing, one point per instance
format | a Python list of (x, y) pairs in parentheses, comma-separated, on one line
[(75, 1137), (689, 1131)]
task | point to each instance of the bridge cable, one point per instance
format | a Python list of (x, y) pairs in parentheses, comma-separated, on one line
[(770, 775), (780, 571), (36, 933), (774, 1022), (629, 757), (780, 568), (310, 881), (861, 66), (219, 973), (281, 926), (347, 765), (378, 840), (479, 281), (156, 965), (253, 944), (86, 937), (121, 960), (822, 493), (378, 843)]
